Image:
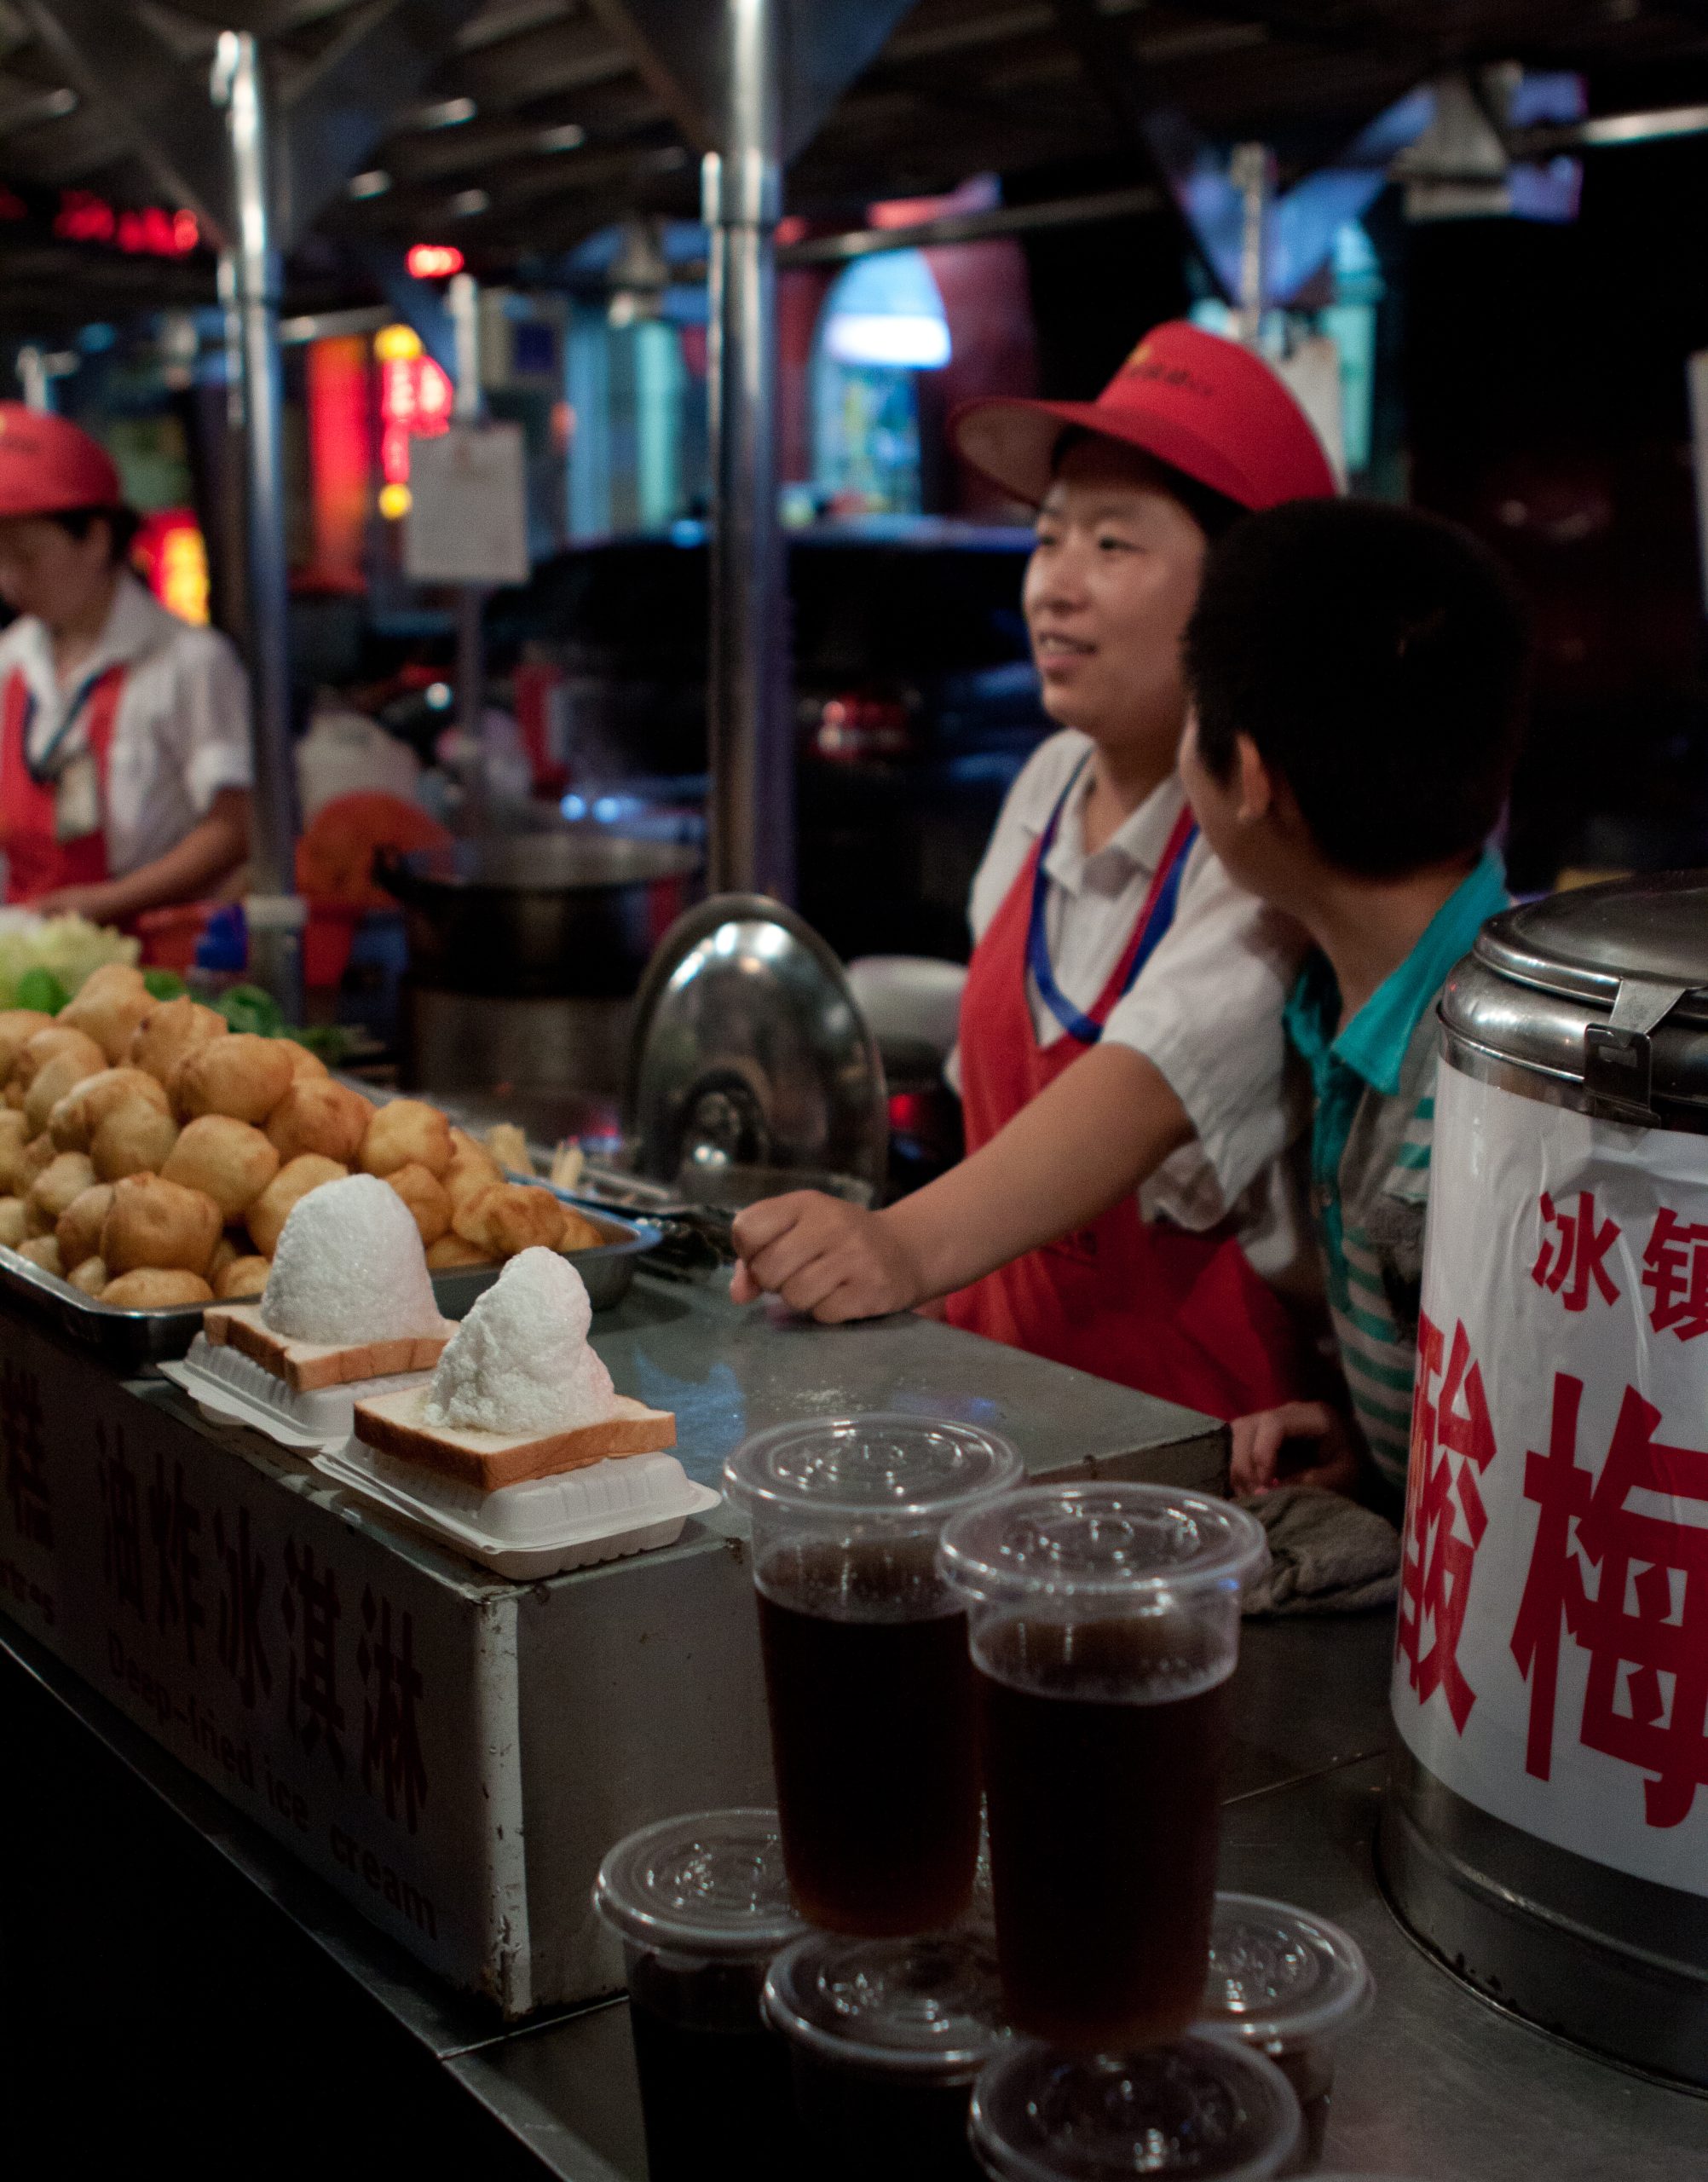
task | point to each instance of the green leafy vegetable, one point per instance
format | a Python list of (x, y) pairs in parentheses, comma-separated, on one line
[(164, 985), (247, 1007), (41, 989)]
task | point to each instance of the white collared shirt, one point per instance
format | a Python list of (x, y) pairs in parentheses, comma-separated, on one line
[(1205, 1010), (181, 731)]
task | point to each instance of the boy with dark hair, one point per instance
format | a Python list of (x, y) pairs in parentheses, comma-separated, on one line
[(1356, 674)]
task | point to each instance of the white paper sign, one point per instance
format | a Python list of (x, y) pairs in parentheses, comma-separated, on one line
[(468, 515), (1552, 1663)]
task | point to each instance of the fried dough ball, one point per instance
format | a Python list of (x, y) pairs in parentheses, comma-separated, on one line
[(451, 1251), (407, 1130), (91, 1276), (44, 1046), (17, 1026), (36, 1158), (14, 1135), (87, 1105), (63, 1068), (511, 1216), (159, 1224), (317, 1114), (266, 1217), (242, 1076), (227, 1159), (579, 1234), (12, 1219), (424, 1195), (42, 1250), (306, 1066), (151, 1288), (109, 1005), (169, 1032), (64, 1179), (79, 1231), (134, 1139), (472, 1168), (243, 1277)]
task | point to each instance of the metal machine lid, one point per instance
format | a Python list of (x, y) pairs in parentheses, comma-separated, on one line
[(751, 1062), (1584, 943), (1603, 990)]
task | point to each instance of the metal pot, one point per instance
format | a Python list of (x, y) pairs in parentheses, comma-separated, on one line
[(1546, 1832), (574, 913)]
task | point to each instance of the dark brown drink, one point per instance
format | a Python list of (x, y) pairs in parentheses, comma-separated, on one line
[(872, 1737), (715, 2101), (1103, 1816)]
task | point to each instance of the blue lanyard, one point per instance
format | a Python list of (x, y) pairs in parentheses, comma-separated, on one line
[(41, 769), (1165, 896)]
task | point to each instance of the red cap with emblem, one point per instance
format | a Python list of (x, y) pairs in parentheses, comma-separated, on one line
[(1204, 406), (48, 465)]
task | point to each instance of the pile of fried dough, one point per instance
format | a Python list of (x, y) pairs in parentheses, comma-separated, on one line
[(150, 1154)]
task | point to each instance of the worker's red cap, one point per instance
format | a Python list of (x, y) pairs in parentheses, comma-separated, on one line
[(1204, 406), (48, 465)]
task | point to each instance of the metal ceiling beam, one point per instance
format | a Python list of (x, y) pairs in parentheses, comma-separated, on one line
[(116, 60)]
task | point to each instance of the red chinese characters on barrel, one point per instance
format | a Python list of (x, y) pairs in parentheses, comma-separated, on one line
[(1675, 1272), (1643, 1622), (1452, 1444), (1572, 1261)]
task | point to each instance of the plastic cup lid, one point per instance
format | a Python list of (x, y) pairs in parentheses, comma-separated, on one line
[(1279, 1978), (885, 1466), (1204, 2107), (928, 2007), (711, 1884), (1100, 1543)]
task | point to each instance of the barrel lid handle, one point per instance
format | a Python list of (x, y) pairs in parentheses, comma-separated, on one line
[(1618, 1060)]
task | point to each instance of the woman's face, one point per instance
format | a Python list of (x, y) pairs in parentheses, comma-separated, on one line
[(1110, 588), (45, 571)]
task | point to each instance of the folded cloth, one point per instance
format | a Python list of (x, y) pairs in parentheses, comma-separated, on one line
[(1327, 1555)]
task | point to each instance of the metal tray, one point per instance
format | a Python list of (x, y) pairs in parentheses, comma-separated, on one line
[(128, 1341)]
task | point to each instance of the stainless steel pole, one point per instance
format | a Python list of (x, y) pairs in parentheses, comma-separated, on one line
[(464, 301), (276, 916), (748, 724), (1253, 174)]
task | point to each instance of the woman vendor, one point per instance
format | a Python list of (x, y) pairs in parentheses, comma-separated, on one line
[(1121, 1026), (124, 758)]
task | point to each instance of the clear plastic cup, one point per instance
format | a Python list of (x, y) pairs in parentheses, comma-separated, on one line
[(1104, 1625), (1288, 1984), (703, 1904), (885, 2038), (1205, 2107), (867, 1673)]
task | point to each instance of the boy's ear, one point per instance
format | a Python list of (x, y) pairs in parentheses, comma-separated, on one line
[(1256, 784)]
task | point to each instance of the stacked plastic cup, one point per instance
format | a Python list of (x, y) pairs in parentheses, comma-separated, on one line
[(1105, 1627), (1205, 2108), (866, 1672), (702, 1905), (885, 2038), (1289, 1985)]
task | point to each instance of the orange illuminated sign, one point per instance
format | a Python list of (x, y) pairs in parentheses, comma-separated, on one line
[(416, 398)]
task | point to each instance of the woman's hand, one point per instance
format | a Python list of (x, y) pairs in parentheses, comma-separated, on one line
[(1323, 1449), (826, 1257), (95, 902)]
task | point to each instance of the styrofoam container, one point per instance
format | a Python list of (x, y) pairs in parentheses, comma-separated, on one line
[(230, 1388), (541, 1526)]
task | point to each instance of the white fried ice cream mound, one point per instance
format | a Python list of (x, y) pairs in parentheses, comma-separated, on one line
[(349, 1269), (520, 1365)]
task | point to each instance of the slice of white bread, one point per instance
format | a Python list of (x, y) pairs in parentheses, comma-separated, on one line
[(393, 1423), (306, 1366)]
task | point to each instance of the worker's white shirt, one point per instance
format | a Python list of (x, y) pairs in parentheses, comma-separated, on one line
[(182, 732), (1205, 1010)]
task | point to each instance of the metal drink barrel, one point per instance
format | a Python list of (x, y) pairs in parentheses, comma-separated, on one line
[(1546, 1830)]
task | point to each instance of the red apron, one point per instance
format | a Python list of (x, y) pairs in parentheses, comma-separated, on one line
[(1179, 1315), (36, 860)]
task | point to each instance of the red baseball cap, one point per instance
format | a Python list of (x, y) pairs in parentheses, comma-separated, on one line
[(1206, 406), (47, 465)]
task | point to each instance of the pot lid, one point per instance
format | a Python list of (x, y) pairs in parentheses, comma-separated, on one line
[(751, 1064), (1583, 945)]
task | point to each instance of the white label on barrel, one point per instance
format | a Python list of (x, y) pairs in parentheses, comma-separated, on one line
[(1552, 1660)]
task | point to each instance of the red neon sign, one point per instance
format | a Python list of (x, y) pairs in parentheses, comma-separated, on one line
[(434, 261), (415, 401), (149, 232)]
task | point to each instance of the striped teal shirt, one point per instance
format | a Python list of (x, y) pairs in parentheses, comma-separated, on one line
[(1373, 1081)]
